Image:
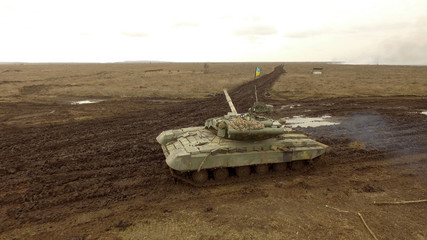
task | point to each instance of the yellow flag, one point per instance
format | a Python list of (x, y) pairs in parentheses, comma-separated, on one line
[(257, 72)]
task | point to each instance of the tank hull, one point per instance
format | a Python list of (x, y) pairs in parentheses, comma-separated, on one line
[(196, 148)]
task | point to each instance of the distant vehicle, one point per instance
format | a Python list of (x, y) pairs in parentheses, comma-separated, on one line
[(236, 145)]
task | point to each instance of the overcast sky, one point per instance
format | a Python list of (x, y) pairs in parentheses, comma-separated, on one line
[(359, 31)]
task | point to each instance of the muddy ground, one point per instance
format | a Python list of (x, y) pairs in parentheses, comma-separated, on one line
[(95, 171)]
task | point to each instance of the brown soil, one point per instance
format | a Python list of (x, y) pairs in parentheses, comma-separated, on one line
[(102, 175)]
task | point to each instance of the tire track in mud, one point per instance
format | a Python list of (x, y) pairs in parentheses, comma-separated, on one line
[(50, 172)]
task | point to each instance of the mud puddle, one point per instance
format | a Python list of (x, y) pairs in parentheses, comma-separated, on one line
[(304, 122), (87, 101), (290, 106)]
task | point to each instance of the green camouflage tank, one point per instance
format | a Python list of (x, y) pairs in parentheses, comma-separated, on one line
[(236, 144)]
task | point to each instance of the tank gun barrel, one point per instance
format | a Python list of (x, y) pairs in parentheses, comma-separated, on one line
[(230, 103)]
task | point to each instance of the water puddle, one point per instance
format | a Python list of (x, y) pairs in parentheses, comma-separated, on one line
[(290, 106), (304, 122), (85, 102)]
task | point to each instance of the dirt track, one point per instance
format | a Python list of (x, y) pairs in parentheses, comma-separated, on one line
[(56, 173)]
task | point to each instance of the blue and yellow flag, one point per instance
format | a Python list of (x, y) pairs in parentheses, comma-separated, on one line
[(257, 72)]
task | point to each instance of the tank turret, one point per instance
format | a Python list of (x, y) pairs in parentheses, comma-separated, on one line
[(247, 126)]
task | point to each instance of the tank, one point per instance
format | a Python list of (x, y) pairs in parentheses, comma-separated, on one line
[(236, 145)]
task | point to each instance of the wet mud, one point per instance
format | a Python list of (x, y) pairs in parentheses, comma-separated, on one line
[(53, 171)]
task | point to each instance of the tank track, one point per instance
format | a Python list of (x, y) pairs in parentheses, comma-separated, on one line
[(186, 178)]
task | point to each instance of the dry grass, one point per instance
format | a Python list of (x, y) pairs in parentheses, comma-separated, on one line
[(45, 82), (53, 82), (350, 80)]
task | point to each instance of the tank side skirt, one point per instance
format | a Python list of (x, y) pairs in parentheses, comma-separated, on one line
[(187, 162)]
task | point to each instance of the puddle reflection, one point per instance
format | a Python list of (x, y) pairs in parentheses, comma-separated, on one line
[(85, 102), (304, 122)]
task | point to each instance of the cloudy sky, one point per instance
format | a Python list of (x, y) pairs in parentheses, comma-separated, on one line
[(358, 31)]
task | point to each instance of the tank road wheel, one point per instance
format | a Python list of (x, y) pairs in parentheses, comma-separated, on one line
[(261, 169), (298, 165), (244, 171), (280, 167), (220, 174), (200, 177)]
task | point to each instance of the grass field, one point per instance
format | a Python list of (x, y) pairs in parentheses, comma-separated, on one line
[(350, 80), (59, 82), (48, 82)]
